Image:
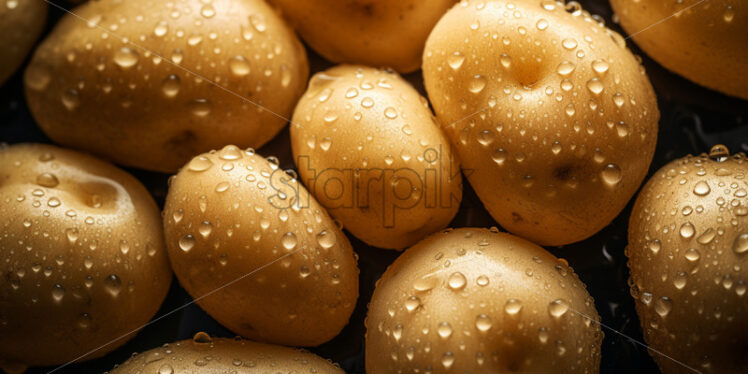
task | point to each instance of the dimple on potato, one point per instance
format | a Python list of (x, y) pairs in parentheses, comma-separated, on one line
[(688, 256), (192, 76), (481, 301), (81, 247), (703, 41), (369, 149), (382, 33), (204, 354), (21, 22), (257, 252), (545, 107)]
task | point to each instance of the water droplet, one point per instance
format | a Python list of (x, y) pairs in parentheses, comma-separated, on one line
[(701, 188), (397, 332), (740, 245), (205, 229), (53, 202), (202, 338), (542, 24), (367, 102), (663, 306), (477, 84), (239, 66), (558, 308), (687, 230), (680, 280), (37, 77), (326, 239), (351, 93), (425, 283), (289, 240), (692, 255), (84, 321), (565, 68), (456, 281), (505, 60), (499, 156), (58, 292), (412, 303), (512, 307), (70, 99), (482, 281), (126, 57), (611, 174), (595, 86), (258, 22), (569, 43), (390, 112), (208, 11), (655, 246), (455, 60), (729, 14), (47, 180), (618, 99), (113, 284), (483, 323), (448, 359), (187, 242), (200, 163), (444, 330), (170, 86), (200, 107), (600, 66), (165, 369)]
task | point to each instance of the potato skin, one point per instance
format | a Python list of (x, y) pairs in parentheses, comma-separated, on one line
[(229, 217), (480, 301), (688, 237), (704, 43), (382, 33), (20, 26), (226, 355), (131, 104), (369, 149), (543, 123), (81, 246)]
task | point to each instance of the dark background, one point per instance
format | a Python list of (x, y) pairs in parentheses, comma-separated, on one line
[(692, 120)]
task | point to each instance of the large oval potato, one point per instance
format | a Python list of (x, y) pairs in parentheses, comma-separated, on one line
[(704, 41), (368, 148), (257, 252), (480, 301), (204, 354), (194, 76), (81, 246), (21, 22), (688, 255), (545, 108), (382, 33)]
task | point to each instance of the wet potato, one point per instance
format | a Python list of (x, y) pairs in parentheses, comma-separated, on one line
[(480, 301), (233, 216), (366, 32), (89, 90), (544, 107), (688, 256), (204, 354), (369, 149), (21, 22), (705, 42), (81, 247)]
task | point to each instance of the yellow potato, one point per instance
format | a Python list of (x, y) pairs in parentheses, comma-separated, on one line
[(369, 149), (704, 41), (480, 301), (553, 119), (688, 255), (382, 33), (257, 252), (21, 22), (196, 75), (204, 354), (84, 264)]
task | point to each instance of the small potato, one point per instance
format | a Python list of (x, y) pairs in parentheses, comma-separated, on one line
[(84, 265), (553, 119), (369, 149), (382, 33), (21, 22), (688, 256), (195, 76), (257, 252), (204, 354), (479, 301), (704, 41)]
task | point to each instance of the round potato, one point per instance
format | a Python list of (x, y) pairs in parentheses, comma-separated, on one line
[(204, 354), (21, 22), (480, 301), (368, 148), (81, 246), (192, 76), (688, 256), (382, 33), (544, 107), (257, 252), (703, 41)]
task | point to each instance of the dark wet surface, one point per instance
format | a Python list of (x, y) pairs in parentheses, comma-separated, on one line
[(692, 120)]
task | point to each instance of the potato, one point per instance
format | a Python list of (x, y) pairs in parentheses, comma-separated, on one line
[(479, 301), (702, 41), (545, 108), (84, 264), (21, 22), (383, 33), (257, 252), (204, 354), (369, 149), (194, 76), (688, 244)]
